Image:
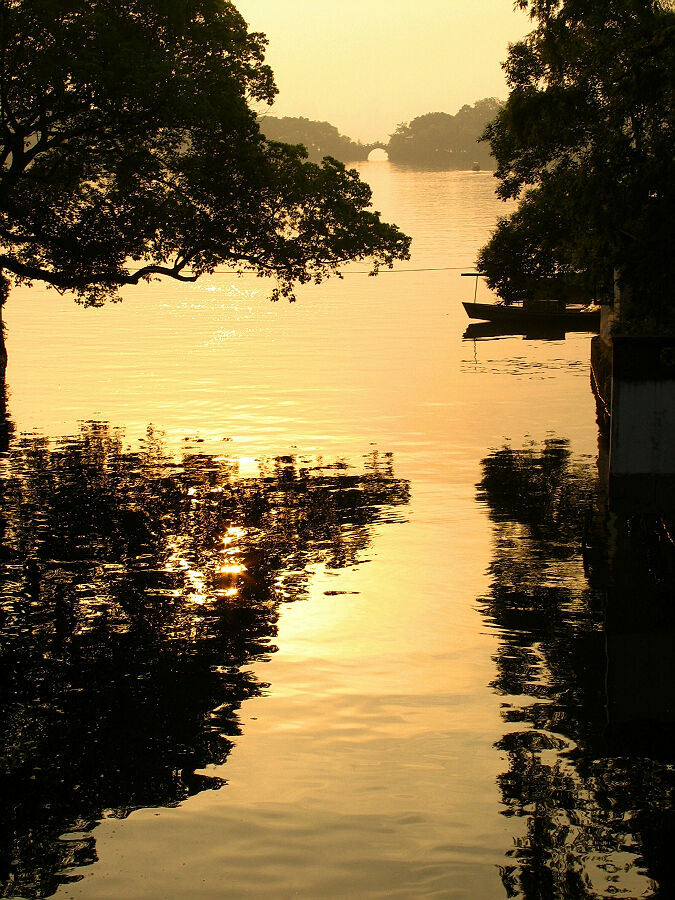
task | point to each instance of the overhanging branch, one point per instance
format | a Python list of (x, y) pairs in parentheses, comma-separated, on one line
[(115, 278)]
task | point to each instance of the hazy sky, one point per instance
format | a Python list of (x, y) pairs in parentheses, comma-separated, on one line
[(367, 65)]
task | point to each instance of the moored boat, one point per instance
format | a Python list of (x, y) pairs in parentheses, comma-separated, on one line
[(536, 313)]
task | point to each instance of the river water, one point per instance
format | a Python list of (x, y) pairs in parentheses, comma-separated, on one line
[(294, 600)]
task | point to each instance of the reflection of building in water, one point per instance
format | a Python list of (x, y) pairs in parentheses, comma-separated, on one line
[(135, 591), (634, 529), (640, 630), (630, 554), (592, 806)]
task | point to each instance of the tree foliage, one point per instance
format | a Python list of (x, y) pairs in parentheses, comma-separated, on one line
[(130, 149), (444, 141), (320, 139), (585, 141)]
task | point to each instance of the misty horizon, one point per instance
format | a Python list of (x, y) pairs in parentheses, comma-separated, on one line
[(399, 61), (383, 141)]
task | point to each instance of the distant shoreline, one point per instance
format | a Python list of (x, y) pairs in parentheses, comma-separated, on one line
[(436, 141)]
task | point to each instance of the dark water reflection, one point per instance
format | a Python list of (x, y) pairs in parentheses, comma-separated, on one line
[(589, 779), (134, 593)]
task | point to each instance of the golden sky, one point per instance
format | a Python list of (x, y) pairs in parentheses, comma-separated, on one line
[(367, 65)]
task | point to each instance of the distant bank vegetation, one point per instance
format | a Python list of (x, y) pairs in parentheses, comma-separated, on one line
[(441, 141), (436, 140), (320, 138)]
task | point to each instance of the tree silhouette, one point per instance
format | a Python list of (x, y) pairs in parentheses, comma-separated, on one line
[(130, 150), (585, 142)]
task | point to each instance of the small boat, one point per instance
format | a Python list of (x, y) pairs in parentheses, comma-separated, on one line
[(556, 314), (572, 317)]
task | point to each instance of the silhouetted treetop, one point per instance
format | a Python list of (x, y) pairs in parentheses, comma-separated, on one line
[(129, 150)]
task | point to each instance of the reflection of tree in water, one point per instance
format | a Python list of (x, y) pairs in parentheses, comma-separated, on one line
[(591, 815), (134, 591)]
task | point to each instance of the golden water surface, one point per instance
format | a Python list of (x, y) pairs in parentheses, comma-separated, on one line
[(393, 698)]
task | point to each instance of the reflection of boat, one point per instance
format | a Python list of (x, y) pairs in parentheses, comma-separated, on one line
[(568, 318), (541, 331)]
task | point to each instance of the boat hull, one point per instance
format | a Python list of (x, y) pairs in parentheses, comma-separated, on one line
[(569, 319)]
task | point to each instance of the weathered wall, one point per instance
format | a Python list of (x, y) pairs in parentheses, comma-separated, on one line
[(642, 437)]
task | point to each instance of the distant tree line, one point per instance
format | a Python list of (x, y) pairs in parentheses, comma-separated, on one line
[(436, 140), (321, 139), (443, 141)]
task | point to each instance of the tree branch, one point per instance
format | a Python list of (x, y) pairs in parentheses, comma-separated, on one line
[(114, 278)]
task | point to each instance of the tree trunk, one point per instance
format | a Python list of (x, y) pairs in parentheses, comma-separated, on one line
[(4, 293), (6, 424)]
